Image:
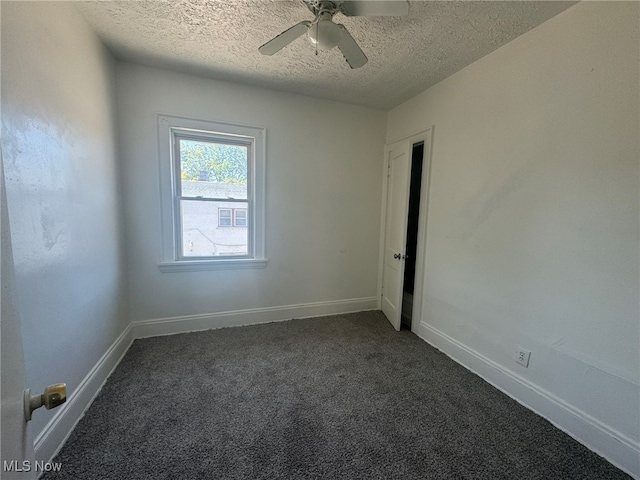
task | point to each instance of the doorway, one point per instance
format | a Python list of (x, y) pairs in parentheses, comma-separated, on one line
[(403, 231), (411, 249)]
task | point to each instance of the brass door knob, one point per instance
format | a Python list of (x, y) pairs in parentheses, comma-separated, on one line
[(53, 396)]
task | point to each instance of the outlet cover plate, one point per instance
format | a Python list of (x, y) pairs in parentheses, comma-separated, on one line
[(521, 356)]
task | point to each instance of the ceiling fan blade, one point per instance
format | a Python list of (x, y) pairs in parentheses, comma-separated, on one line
[(352, 53), (285, 38), (375, 8)]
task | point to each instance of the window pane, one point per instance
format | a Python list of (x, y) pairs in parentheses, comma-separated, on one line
[(224, 217), (213, 170), (240, 215), (202, 235)]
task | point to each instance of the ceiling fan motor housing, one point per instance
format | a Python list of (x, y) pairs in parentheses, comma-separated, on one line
[(324, 33)]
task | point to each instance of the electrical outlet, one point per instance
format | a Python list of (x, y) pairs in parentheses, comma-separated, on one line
[(522, 356)]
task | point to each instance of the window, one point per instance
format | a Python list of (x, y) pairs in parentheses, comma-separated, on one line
[(240, 217), (224, 217), (232, 217), (212, 183)]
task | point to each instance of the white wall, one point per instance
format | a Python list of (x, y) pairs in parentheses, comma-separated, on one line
[(323, 193), (59, 152), (532, 234), (533, 216)]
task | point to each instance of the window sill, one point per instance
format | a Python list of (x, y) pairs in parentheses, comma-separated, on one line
[(202, 265)]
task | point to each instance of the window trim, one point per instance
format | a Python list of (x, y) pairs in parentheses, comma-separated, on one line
[(180, 134), (171, 127)]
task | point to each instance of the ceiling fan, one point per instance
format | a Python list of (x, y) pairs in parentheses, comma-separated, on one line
[(324, 34)]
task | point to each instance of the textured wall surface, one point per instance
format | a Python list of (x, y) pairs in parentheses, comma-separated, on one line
[(220, 39), (60, 163), (533, 234)]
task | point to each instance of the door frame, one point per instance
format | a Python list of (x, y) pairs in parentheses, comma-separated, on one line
[(425, 136)]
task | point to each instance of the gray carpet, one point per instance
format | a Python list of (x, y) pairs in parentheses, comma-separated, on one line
[(343, 397)]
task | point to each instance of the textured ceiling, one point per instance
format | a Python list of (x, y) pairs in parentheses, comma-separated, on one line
[(220, 39)]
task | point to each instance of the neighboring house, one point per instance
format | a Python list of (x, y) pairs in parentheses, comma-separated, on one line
[(214, 227)]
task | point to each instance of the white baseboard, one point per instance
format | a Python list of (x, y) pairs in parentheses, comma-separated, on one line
[(191, 323), (617, 448), (53, 436), (55, 433)]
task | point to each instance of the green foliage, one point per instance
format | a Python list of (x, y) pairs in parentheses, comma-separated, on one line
[(214, 162)]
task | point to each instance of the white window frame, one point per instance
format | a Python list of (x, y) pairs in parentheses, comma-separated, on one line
[(170, 128)]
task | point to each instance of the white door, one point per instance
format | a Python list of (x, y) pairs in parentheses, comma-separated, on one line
[(395, 234), (17, 447)]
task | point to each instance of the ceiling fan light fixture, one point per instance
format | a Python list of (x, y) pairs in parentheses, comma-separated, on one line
[(325, 34)]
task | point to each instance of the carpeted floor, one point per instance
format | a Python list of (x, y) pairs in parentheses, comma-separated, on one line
[(341, 397)]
